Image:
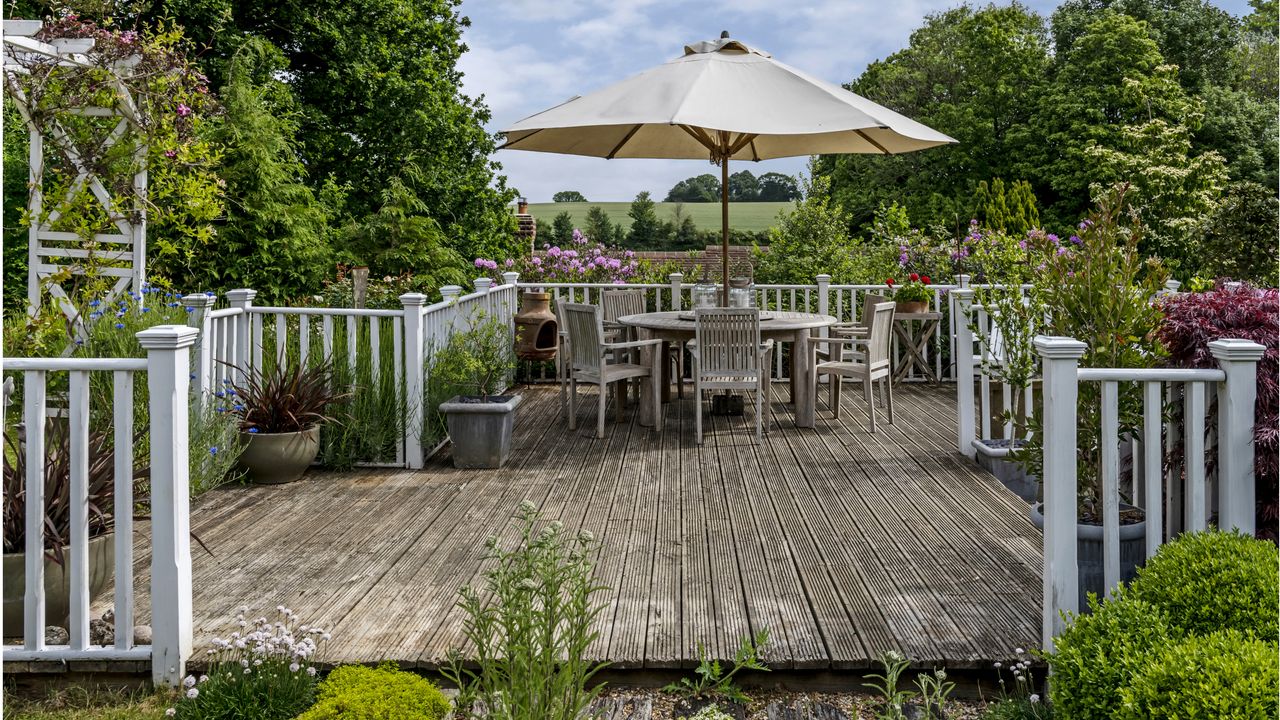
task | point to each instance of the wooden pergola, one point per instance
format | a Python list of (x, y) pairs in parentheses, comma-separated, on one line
[(52, 254)]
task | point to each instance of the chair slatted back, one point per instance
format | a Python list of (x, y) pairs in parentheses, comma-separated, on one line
[(586, 335), (869, 303), (880, 335), (728, 343), (620, 303)]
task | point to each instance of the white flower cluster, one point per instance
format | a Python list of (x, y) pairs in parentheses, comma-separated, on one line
[(261, 639)]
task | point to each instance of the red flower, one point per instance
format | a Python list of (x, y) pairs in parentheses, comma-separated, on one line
[(914, 277), (889, 281), (925, 279)]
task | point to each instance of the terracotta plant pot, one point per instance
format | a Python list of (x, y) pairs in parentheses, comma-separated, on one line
[(57, 583), (911, 306), (276, 458)]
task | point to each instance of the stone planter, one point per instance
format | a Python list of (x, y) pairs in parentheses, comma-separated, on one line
[(480, 430), (992, 456), (1133, 553), (276, 458), (911, 306), (57, 583)]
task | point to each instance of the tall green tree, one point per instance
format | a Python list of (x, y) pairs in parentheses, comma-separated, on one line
[(1195, 35), (744, 187), (972, 73), (777, 187), (1116, 113), (1008, 208), (702, 188), (274, 237), (379, 90), (599, 227), (646, 229), (561, 229), (568, 196)]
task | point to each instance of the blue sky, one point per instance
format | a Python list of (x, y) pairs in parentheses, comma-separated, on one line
[(527, 55)]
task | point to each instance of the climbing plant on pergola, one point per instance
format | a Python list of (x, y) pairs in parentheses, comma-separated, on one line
[(97, 106)]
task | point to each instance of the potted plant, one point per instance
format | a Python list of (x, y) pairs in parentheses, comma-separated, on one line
[(476, 364), (1010, 357), (281, 410), (912, 296), (1100, 290), (57, 519)]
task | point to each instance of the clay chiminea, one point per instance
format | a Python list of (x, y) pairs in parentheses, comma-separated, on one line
[(536, 327)]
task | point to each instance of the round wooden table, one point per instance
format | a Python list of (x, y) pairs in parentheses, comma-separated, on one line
[(779, 326)]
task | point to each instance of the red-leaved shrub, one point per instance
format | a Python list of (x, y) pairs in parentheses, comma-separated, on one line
[(1192, 321)]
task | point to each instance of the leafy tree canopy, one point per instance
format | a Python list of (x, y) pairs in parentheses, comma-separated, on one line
[(703, 188), (744, 187), (568, 196), (776, 187)]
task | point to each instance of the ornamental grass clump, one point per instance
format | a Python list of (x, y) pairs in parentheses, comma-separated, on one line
[(262, 671), (529, 629), (286, 397)]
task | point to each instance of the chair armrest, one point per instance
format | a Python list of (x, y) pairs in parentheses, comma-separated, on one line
[(632, 344), (819, 340), (766, 347)]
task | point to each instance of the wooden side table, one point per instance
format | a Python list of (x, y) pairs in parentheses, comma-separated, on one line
[(913, 332)]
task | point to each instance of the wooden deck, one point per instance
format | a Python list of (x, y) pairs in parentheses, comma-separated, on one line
[(843, 543)]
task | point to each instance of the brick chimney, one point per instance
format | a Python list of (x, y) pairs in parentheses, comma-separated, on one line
[(527, 227)]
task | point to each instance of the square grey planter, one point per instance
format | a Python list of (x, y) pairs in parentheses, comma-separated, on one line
[(992, 456), (480, 431)]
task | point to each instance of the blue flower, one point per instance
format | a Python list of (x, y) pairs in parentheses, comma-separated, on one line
[(119, 326), (95, 315), (190, 309), (210, 293), (220, 409), (120, 314), (231, 391), (173, 304), (146, 310), (253, 430), (226, 381), (219, 394), (237, 408), (213, 450), (95, 303), (79, 341)]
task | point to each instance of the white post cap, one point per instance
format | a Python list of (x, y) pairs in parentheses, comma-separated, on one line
[(824, 278), (450, 291), (168, 337), (199, 300), (510, 278), (414, 299), (1236, 350), (483, 283), (1059, 348)]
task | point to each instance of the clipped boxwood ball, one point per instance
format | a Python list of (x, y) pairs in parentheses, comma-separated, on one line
[(1212, 581), (1226, 676), (356, 692), (1099, 653)]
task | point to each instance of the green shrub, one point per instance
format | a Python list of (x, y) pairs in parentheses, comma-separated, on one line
[(1225, 675), (356, 692), (1214, 581), (1099, 653)]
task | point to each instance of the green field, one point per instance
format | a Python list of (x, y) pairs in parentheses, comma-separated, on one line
[(742, 216)]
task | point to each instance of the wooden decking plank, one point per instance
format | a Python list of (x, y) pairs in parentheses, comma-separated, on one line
[(664, 638), (733, 615), (698, 613)]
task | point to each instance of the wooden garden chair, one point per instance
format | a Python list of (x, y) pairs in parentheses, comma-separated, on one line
[(728, 355), (586, 360), (620, 303), (871, 364)]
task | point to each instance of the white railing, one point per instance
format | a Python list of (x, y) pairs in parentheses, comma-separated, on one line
[(243, 337), (844, 302), (1178, 500), (166, 367)]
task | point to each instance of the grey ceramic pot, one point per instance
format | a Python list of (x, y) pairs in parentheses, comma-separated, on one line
[(57, 583), (1133, 553), (275, 458), (480, 430)]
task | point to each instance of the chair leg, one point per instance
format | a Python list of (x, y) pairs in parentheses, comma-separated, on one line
[(882, 401), (835, 381), (759, 413), (573, 410), (871, 404), (620, 395), (697, 411), (604, 393), (888, 382), (656, 391), (679, 369)]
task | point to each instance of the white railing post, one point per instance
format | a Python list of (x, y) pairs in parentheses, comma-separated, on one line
[(483, 284), (824, 302), (1171, 286), (414, 375), (199, 319), (964, 372), (1060, 360), (1236, 397), (510, 278), (242, 299), (450, 292), (677, 281), (168, 363)]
